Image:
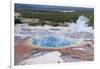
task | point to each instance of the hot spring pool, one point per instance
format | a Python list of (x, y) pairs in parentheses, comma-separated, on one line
[(54, 42)]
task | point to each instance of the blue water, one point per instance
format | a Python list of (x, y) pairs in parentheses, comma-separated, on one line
[(53, 42)]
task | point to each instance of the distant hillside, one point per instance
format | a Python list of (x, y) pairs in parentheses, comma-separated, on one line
[(33, 7), (54, 14)]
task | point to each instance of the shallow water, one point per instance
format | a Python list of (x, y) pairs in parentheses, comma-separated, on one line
[(53, 42)]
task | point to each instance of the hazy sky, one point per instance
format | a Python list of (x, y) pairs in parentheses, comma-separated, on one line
[(77, 3)]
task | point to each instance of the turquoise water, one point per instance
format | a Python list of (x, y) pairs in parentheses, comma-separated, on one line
[(53, 42)]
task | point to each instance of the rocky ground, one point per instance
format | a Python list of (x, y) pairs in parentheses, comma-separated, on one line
[(83, 52)]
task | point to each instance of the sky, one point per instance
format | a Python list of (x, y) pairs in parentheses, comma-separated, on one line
[(75, 3)]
